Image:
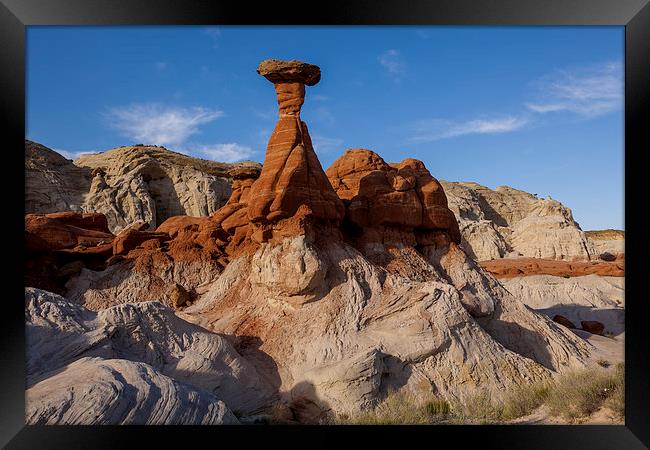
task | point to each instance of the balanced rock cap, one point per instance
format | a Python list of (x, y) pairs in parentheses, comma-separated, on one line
[(278, 71)]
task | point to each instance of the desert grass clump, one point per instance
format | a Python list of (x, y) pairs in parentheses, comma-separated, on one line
[(401, 408), (616, 401), (523, 400), (580, 393), (478, 408)]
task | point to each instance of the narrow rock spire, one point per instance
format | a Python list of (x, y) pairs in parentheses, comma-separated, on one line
[(292, 175)]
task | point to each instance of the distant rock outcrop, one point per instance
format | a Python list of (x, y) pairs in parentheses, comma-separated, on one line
[(509, 222), (609, 245), (52, 182), (126, 184), (590, 297)]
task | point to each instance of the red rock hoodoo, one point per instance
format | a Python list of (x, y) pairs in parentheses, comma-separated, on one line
[(392, 201), (292, 175)]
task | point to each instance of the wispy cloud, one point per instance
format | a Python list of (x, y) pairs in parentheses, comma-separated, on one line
[(214, 34), (231, 152), (589, 92), (391, 60), (267, 114), (71, 154), (326, 144), (324, 115), (318, 98), (161, 65), (423, 34), (435, 129), (153, 123)]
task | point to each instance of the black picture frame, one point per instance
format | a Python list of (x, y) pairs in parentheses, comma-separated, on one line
[(15, 15)]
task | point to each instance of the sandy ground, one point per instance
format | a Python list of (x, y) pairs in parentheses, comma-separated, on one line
[(541, 416)]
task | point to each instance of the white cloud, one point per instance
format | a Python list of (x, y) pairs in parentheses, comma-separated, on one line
[(157, 124), (229, 153), (589, 92), (392, 62), (160, 66), (72, 155), (434, 129), (325, 144), (318, 98)]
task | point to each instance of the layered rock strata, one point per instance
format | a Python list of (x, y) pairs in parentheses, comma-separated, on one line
[(131, 364)]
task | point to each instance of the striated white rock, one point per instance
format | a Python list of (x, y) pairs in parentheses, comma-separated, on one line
[(509, 222), (185, 358), (370, 330), (96, 391)]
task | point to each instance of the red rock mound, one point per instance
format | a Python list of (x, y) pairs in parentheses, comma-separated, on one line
[(520, 267), (393, 200)]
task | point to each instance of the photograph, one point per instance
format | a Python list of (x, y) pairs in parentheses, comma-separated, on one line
[(324, 225)]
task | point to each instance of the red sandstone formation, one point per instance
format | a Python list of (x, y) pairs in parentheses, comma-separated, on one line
[(292, 175), (520, 267), (399, 201), (592, 326), (563, 321), (60, 244)]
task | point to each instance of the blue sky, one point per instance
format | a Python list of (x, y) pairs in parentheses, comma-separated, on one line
[(535, 108)]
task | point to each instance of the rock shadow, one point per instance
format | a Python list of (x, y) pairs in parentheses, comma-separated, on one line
[(162, 191), (490, 213), (612, 318), (519, 339)]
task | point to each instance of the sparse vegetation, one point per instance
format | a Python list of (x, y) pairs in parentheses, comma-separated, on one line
[(401, 408), (571, 396), (580, 393)]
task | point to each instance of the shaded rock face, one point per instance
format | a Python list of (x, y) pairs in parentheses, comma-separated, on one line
[(53, 183), (508, 222), (589, 297), (59, 245), (126, 184)]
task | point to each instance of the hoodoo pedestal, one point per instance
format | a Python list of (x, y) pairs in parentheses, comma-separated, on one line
[(292, 175)]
